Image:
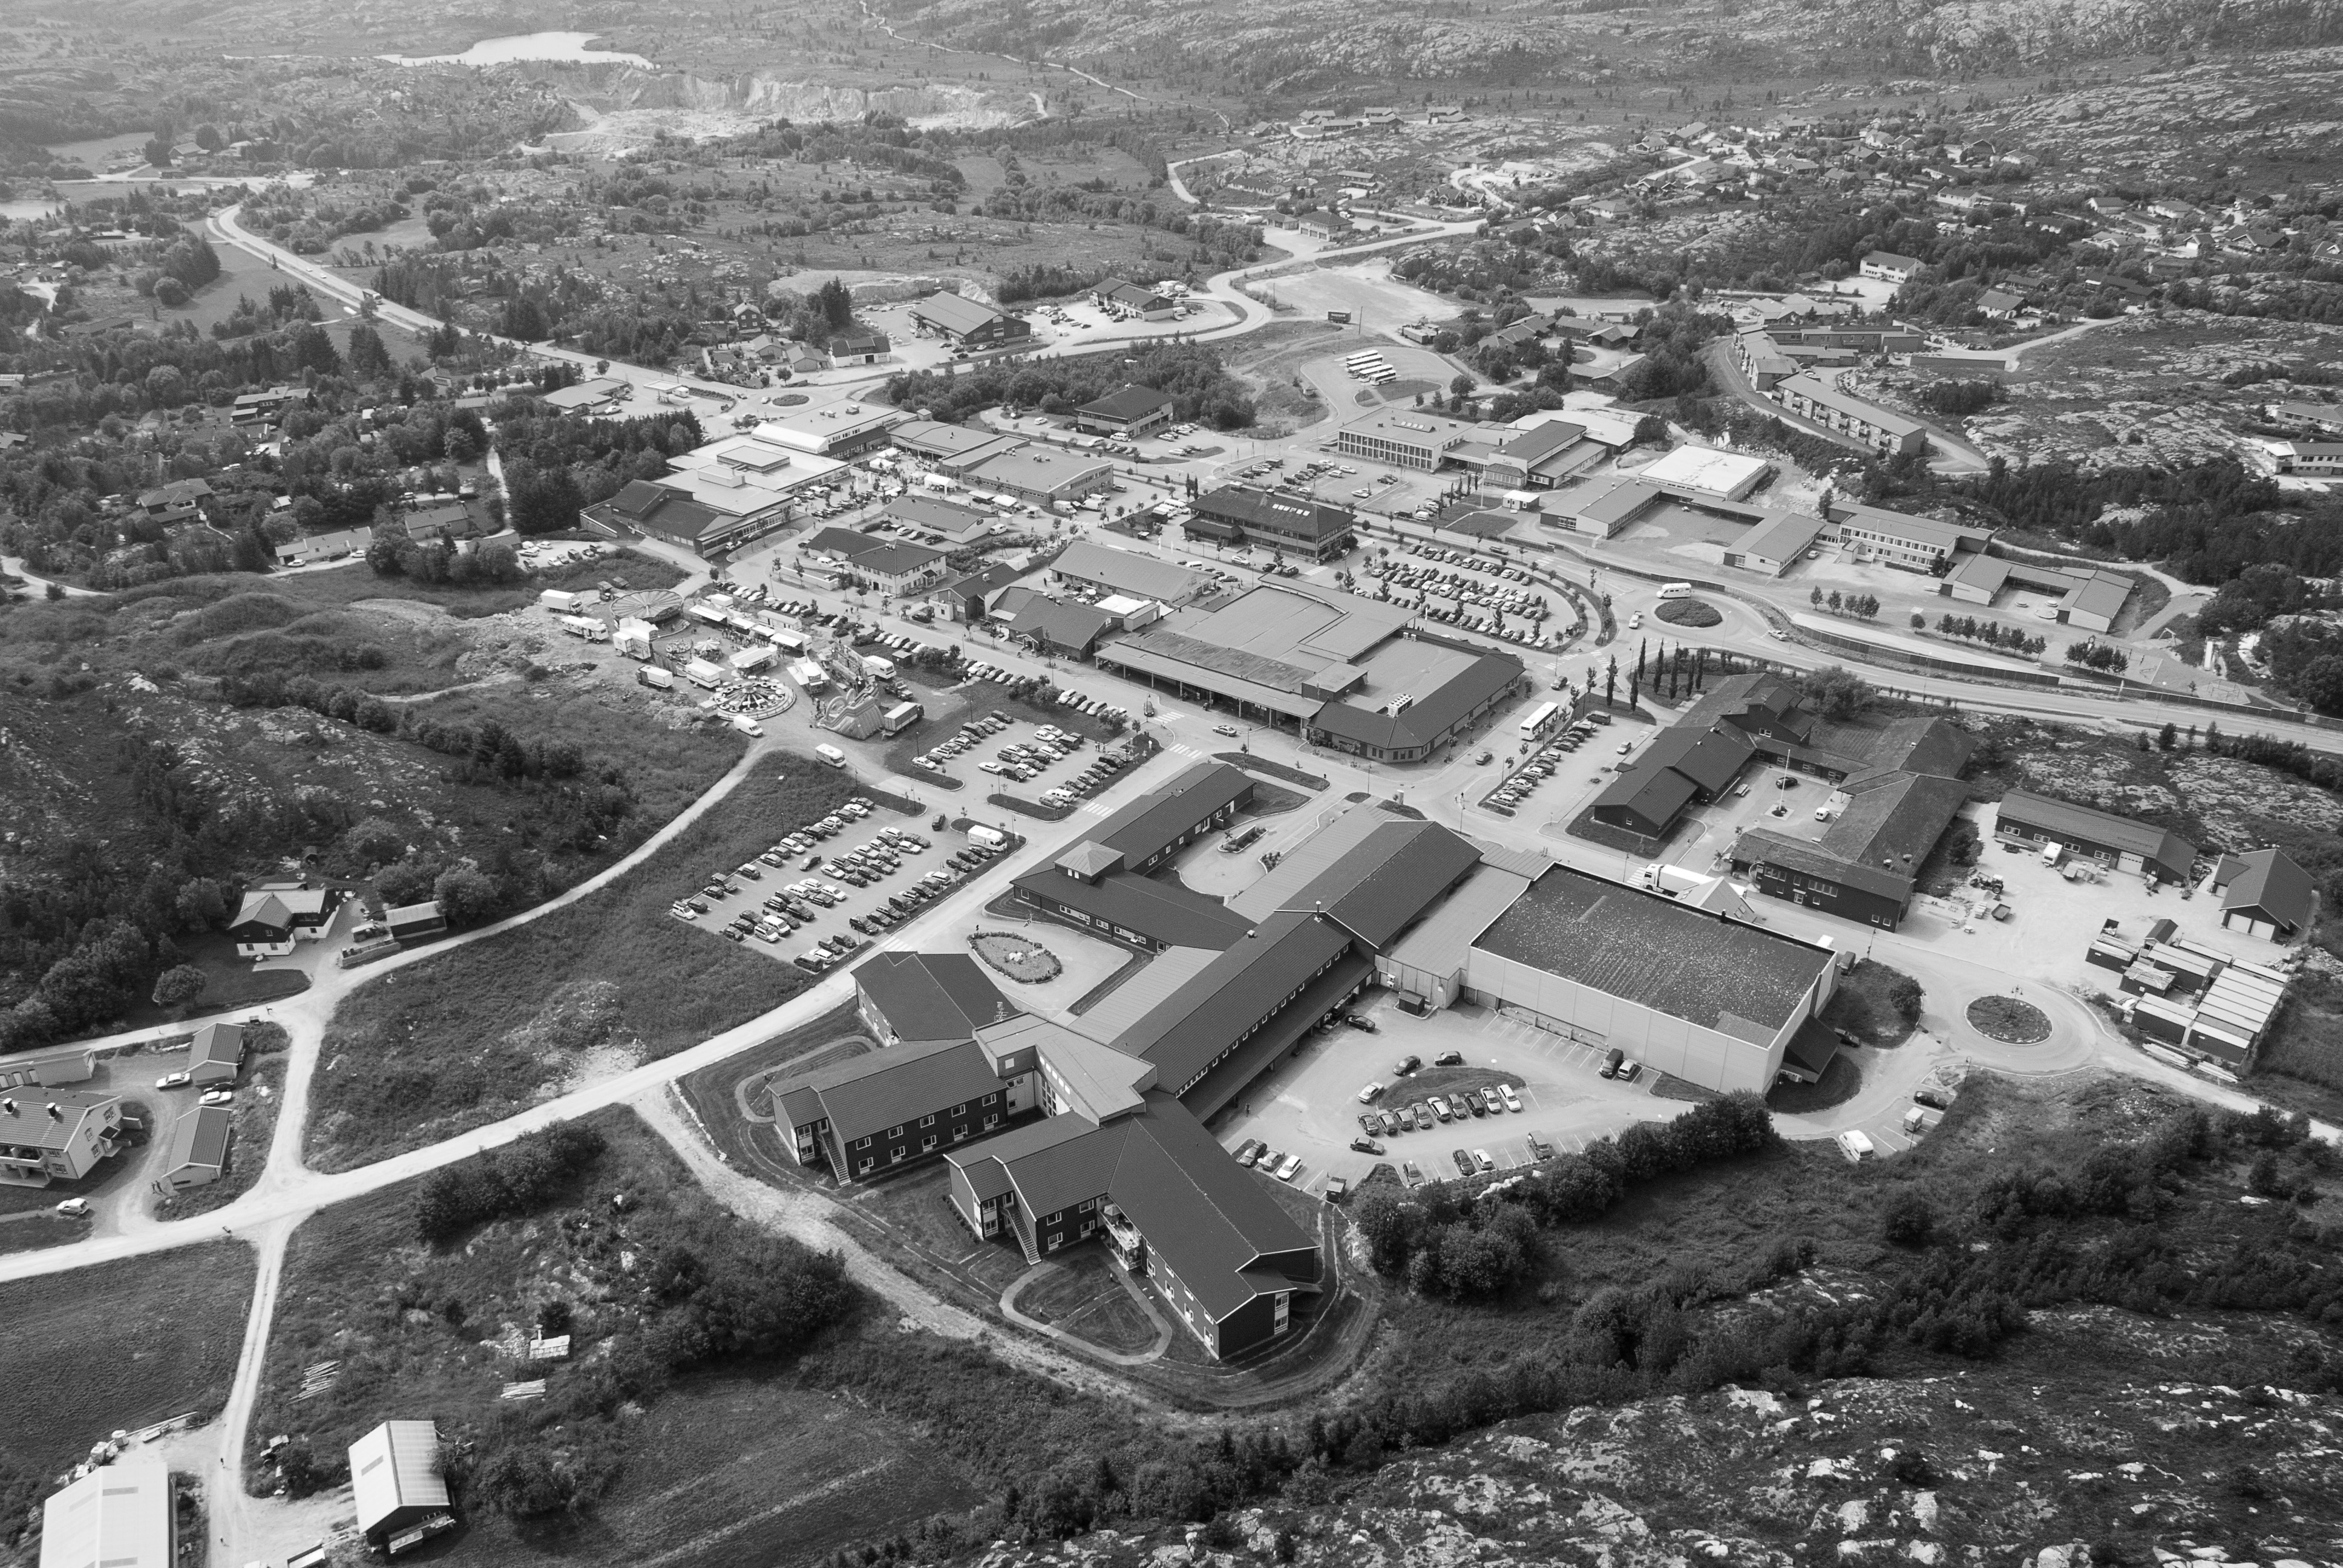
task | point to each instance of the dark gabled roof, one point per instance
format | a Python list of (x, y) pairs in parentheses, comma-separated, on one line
[(926, 512), (1209, 1220), (1542, 441), (1709, 758), (932, 996), (2057, 818), (199, 1139), (1128, 402), (1419, 722), (1077, 626), (1737, 695), (1144, 828), (1245, 985), (217, 1045), (2269, 882), (1655, 794), (837, 541), (1163, 911), (1277, 509), (895, 560), (1378, 889), (1924, 746), (1764, 846), (867, 1095), (1651, 949)]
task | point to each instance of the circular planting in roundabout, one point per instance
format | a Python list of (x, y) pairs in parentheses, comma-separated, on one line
[(1022, 958), (1690, 612), (2009, 1020)]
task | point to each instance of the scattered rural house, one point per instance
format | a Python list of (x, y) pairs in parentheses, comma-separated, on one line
[(217, 1054), (275, 915), (56, 1135), (859, 347), (197, 1153)]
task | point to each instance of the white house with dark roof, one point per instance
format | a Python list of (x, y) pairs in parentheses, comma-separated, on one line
[(274, 916)]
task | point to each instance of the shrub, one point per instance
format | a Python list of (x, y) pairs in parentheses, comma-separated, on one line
[(515, 1179)]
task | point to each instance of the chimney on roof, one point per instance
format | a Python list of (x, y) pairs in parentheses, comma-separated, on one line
[(55, 1113), (8, 1106)]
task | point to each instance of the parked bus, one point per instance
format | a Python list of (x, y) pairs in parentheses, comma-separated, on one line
[(1539, 720)]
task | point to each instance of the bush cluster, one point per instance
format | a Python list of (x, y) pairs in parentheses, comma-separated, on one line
[(1446, 1242), (521, 1177)]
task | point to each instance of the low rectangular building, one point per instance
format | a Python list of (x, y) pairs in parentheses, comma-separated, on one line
[(1031, 471), (1399, 440), (397, 1484), (1090, 565), (1812, 398), (1704, 471), (1866, 864), (217, 1054), (197, 1153), (1774, 545), (119, 1515), (1694, 994), (970, 323), (1278, 520), (1131, 411), (1900, 539), (2264, 893), (925, 998), (274, 916), (2121, 842), (1887, 267)]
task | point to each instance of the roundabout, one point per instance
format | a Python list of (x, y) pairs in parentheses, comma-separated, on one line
[(2007, 1020), (1689, 612)]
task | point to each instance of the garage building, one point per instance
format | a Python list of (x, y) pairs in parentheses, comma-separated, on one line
[(970, 323), (2264, 894)]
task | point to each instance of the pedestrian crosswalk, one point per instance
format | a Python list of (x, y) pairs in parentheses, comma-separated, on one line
[(1181, 748), (1094, 809)]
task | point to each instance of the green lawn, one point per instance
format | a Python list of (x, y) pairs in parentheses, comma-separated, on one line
[(481, 1030)]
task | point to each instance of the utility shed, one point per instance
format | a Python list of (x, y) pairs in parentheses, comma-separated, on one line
[(116, 1516), (394, 1479)]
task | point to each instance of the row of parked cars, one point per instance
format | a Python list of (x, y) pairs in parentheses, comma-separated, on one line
[(1547, 758), (1259, 1156), (1027, 760)]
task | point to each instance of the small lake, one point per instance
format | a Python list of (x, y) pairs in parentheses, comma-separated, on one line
[(527, 47)]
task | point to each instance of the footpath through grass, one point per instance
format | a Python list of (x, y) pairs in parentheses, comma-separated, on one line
[(485, 1029)]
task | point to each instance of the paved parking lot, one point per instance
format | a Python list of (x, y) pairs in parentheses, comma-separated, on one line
[(1310, 1106), (820, 902), (989, 750)]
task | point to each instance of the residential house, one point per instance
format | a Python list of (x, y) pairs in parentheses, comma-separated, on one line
[(56, 1135), (274, 916)]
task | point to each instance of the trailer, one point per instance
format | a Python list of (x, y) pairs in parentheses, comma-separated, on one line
[(707, 613), (883, 669), (653, 676), (555, 599), (749, 659), (902, 717), (700, 672)]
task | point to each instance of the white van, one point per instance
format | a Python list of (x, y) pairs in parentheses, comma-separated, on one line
[(831, 755), (1676, 590), (1855, 1146), (747, 726)]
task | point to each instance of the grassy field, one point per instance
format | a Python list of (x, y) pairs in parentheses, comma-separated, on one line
[(751, 1469), (118, 1345), (479, 1032), (2301, 1067), (744, 1464), (1082, 1296)]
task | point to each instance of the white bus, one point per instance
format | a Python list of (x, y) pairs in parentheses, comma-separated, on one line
[(1539, 720), (1362, 357)]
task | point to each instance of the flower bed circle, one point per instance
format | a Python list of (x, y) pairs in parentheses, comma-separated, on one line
[(2009, 1020), (1022, 958), (1690, 612)]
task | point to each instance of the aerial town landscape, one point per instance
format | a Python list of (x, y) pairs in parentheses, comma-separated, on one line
[(927, 783)]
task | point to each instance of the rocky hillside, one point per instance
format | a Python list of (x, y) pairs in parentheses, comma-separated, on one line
[(2038, 1464), (1328, 42)]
